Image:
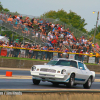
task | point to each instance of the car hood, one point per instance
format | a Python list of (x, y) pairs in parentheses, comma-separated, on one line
[(57, 67)]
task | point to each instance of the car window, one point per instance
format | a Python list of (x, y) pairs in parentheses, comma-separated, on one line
[(73, 64), (63, 63), (81, 65), (67, 63), (52, 62)]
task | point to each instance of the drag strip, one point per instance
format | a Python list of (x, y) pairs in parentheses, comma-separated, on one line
[(27, 84), (27, 73), (22, 79), (16, 72)]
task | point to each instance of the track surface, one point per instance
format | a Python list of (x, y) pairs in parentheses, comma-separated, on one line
[(27, 83), (27, 73)]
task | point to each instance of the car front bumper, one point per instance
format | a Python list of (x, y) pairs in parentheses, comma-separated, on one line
[(51, 77)]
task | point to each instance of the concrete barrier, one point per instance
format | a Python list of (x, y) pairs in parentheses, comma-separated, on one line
[(13, 63), (65, 94)]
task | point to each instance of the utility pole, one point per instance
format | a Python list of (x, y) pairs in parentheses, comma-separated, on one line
[(96, 25)]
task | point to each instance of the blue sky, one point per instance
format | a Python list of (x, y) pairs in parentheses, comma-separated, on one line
[(84, 8)]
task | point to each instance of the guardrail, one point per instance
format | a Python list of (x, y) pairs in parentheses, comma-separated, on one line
[(50, 94), (47, 54)]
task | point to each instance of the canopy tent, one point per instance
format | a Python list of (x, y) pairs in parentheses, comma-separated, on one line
[(4, 39)]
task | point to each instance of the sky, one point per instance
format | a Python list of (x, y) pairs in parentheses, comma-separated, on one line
[(83, 8)]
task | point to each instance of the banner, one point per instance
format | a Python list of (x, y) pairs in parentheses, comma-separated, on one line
[(22, 53), (72, 56), (55, 55), (91, 60)]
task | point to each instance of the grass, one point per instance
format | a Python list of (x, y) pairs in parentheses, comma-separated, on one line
[(35, 59), (23, 58), (90, 64)]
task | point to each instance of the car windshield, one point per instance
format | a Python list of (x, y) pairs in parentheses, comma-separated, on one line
[(63, 63)]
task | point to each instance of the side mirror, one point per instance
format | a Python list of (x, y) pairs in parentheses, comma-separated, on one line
[(45, 63), (81, 68)]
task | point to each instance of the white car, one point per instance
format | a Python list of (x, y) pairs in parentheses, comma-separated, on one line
[(63, 71)]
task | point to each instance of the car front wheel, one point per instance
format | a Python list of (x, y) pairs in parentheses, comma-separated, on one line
[(88, 84), (36, 82), (71, 81)]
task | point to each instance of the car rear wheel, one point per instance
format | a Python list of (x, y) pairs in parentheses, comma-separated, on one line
[(36, 82), (88, 84), (71, 81)]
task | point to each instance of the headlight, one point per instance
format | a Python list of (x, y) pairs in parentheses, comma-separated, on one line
[(33, 68), (63, 71)]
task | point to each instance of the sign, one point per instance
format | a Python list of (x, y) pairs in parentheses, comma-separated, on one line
[(72, 56), (91, 60), (55, 55), (3, 52), (22, 53)]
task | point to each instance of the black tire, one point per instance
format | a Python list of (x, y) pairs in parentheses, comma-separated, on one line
[(71, 82), (88, 84), (55, 83), (75, 84), (36, 82)]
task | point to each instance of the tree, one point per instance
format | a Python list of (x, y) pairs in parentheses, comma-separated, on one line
[(97, 35), (76, 21), (1, 7), (70, 18), (5, 9)]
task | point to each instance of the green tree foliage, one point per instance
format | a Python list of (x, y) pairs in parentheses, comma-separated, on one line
[(70, 18), (5, 9), (1, 7), (97, 35)]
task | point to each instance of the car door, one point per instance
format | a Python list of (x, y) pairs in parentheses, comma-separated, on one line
[(81, 74)]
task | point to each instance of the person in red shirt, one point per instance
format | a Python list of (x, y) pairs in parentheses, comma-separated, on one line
[(81, 57)]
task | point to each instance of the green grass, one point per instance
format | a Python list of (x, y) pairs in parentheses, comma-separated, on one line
[(35, 59), (90, 64), (23, 58)]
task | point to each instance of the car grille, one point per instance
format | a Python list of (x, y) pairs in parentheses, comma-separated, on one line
[(48, 70), (47, 75)]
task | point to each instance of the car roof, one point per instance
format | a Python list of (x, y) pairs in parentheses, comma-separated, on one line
[(66, 59)]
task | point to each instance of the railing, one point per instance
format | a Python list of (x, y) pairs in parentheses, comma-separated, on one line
[(46, 54)]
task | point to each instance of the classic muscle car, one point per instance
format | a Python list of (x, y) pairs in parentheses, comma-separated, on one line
[(63, 71)]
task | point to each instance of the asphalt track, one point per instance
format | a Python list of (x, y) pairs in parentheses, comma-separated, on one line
[(27, 72), (21, 79), (27, 84)]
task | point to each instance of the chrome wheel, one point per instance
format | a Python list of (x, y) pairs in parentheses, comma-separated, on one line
[(88, 84), (71, 81)]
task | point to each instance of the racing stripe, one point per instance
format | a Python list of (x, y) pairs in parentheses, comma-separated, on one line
[(78, 79)]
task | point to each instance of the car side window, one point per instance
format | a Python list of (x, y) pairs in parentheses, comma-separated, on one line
[(81, 65), (73, 63)]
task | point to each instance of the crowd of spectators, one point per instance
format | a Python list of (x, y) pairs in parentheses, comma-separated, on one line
[(54, 36)]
